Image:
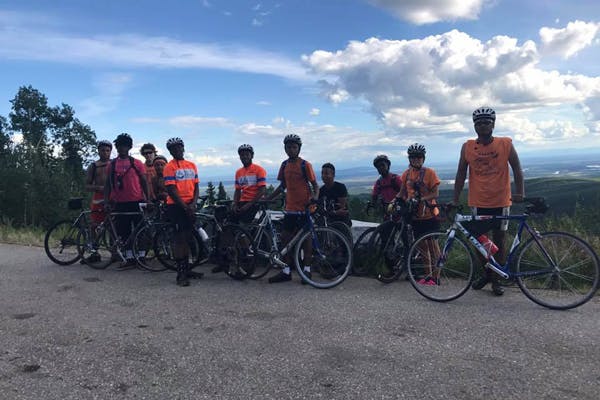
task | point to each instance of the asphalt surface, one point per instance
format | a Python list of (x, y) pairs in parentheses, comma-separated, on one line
[(75, 333)]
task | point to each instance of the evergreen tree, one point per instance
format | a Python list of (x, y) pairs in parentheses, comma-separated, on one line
[(222, 193), (210, 191)]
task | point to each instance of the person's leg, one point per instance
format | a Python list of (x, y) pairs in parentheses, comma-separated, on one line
[(287, 233)]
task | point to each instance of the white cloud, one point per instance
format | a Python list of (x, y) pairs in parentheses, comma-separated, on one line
[(263, 103), (191, 120), (256, 22), (314, 112), (208, 160), (430, 11), (21, 40), (109, 87), (433, 84), (567, 41)]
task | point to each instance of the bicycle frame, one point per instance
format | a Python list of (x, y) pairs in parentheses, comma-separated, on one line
[(502, 270)]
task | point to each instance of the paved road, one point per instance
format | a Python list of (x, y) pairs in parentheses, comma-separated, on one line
[(75, 333)]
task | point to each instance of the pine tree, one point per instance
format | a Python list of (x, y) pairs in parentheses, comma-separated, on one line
[(221, 192), (210, 191)]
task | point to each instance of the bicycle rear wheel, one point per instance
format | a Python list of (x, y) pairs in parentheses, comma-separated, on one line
[(331, 257), (143, 249), (560, 272), (440, 266), (388, 252), (361, 253), (163, 247), (96, 252), (60, 243), (261, 263)]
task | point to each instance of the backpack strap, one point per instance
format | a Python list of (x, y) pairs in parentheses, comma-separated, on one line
[(302, 167)]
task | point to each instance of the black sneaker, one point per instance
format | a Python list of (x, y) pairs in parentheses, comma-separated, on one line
[(308, 275), (194, 275), (182, 279), (480, 283), (280, 277), (497, 289)]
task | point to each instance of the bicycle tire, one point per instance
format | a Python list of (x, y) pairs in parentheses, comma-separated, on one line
[(97, 252), (60, 243), (237, 249), (453, 278), (143, 249), (360, 253), (164, 253), (570, 283), (343, 228), (331, 259), (387, 254), (262, 247)]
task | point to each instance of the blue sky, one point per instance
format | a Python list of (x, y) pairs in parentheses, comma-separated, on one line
[(354, 78)]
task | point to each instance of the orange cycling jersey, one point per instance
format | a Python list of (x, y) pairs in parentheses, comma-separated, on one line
[(184, 175), (414, 185), (249, 179), (298, 192), (489, 178)]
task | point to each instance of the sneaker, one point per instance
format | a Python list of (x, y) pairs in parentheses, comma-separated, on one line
[(93, 258), (280, 277), (427, 281), (217, 269), (194, 275), (308, 275), (480, 283), (182, 279), (497, 289), (128, 264)]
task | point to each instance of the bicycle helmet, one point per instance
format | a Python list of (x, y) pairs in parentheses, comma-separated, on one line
[(174, 141), (416, 150), (484, 113), (245, 147), (103, 143), (292, 138), (123, 140), (381, 157)]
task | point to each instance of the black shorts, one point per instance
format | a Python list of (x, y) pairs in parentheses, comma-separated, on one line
[(480, 227), (423, 226), (178, 216), (293, 222), (245, 217)]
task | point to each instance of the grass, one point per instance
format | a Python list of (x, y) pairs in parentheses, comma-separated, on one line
[(29, 236)]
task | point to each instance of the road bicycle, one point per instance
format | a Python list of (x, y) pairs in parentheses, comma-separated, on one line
[(557, 270), (326, 249), (60, 241)]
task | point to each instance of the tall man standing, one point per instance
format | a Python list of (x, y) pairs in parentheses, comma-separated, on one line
[(487, 159)]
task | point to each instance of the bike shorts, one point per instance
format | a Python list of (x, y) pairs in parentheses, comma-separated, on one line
[(97, 207), (245, 217), (178, 216), (293, 222), (480, 227), (423, 226)]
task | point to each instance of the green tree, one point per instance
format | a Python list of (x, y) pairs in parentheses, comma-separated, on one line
[(210, 191), (221, 192)]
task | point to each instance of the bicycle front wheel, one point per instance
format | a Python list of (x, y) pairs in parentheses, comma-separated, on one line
[(60, 243), (361, 253), (329, 255), (97, 251), (440, 266), (143, 249), (558, 270), (163, 247)]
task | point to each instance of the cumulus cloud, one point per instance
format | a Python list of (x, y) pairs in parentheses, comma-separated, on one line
[(433, 84), (314, 112), (22, 40), (430, 11), (567, 41)]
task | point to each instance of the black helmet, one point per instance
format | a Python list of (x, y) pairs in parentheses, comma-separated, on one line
[(174, 141), (292, 138), (104, 143), (245, 147), (123, 140), (381, 157), (484, 113), (416, 150)]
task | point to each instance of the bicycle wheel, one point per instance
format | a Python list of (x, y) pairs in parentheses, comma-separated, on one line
[(361, 253), (236, 244), (163, 247), (440, 266), (60, 243), (557, 270), (343, 228), (331, 257), (143, 249), (261, 261), (96, 252), (387, 252)]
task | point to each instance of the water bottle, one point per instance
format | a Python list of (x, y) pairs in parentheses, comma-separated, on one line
[(489, 246), (203, 234)]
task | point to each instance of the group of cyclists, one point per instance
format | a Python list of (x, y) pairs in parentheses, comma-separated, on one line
[(121, 183)]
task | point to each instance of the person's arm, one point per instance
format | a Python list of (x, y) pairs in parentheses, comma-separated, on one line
[(279, 190), (144, 184), (108, 186), (515, 164), (461, 175), (434, 193), (314, 190), (90, 185)]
